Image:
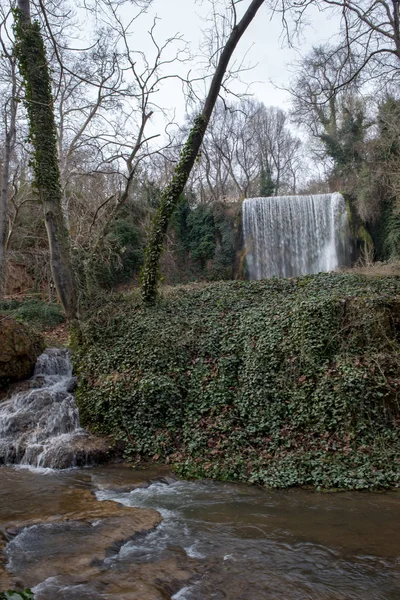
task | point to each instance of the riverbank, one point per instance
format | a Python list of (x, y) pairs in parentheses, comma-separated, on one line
[(277, 382)]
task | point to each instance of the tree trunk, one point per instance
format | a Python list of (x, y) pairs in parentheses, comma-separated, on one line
[(172, 193), (34, 68), (8, 150)]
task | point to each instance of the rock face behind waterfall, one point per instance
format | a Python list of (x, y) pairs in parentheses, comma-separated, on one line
[(288, 236), (40, 426), (19, 349)]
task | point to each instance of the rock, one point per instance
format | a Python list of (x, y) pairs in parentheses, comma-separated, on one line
[(80, 450), (81, 505), (19, 349), (166, 479), (5, 577), (72, 385), (68, 543), (76, 541)]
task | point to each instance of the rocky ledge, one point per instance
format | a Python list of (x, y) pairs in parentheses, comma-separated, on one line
[(19, 349)]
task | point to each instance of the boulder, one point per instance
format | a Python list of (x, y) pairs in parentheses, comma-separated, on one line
[(19, 349)]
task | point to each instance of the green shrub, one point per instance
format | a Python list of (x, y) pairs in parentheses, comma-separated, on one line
[(120, 257), (205, 241), (34, 311)]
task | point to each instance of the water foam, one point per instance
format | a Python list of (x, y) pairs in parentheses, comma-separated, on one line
[(39, 426)]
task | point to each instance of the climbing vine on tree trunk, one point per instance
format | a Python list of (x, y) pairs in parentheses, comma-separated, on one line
[(172, 193), (34, 68)]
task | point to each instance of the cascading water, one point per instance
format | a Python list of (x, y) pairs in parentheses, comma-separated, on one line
[(287, 236), (40, 427)]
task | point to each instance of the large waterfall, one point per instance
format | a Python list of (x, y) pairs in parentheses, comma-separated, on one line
[(287, 236)]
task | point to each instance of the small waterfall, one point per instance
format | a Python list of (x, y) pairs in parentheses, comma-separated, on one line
[(40, 426), (287, 236)]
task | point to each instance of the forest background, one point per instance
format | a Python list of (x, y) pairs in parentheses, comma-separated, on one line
[(118, 140)]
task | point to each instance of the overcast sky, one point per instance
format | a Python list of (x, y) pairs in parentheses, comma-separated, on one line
[(263, 42)]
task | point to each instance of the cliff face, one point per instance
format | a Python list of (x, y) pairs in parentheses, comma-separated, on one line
[(19, 349)]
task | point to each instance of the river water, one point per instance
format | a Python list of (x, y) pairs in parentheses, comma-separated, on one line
[(96, 533), (216, 540)]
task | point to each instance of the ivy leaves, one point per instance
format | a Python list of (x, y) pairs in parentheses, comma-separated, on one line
[(280, 382)]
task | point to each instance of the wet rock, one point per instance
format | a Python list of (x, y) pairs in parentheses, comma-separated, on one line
[(19, 349), (80, 450), (157, 580), (72, 385), (5, 577), (66, 552), (76, 542), (166, 479), (126, 489), (77, 504)]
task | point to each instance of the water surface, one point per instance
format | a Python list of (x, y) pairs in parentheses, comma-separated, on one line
[(216, 540)]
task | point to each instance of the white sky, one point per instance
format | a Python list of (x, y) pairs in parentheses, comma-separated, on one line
[(263, 42)]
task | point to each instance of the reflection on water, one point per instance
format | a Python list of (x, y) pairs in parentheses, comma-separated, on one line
[(216, 541)]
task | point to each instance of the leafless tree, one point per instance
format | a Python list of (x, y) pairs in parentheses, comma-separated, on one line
[(106, 98), (190, 151), (370, 33), (242, 140), (8, 78)]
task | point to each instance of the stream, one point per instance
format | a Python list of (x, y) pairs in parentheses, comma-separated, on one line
[(95, 532)]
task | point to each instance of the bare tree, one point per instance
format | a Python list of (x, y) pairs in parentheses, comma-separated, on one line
[(173, 191), (244, 140), (279, 149), (106, 97), (104, 100), (370, 32), (9, 119), (34, 68), (334, 116)]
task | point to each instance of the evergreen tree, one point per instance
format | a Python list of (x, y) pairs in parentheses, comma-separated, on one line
[(267, 184)]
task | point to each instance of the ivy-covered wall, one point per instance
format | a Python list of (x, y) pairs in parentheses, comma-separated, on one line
[(279, 382)]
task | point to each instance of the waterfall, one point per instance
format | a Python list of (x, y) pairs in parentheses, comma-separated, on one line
[(287, 236), (40, 426)]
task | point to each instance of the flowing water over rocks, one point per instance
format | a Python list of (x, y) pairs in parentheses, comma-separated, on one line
[(39, 426), (216, 540), (288, 236), (113, 533)]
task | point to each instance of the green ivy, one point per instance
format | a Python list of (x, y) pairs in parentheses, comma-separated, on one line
[(169, 200), (205, 241), (32, 61), (279, 382), (13, 595)]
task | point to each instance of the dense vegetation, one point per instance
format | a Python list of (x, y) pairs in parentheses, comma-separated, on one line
[(203, 244), (279, 382), (34, 311)]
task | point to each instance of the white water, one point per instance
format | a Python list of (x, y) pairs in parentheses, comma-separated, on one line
[(288, 236), (250, 551), (39, 426)]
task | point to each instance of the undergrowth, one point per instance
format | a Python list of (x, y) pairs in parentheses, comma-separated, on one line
[(278, 382), (34, 311)]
